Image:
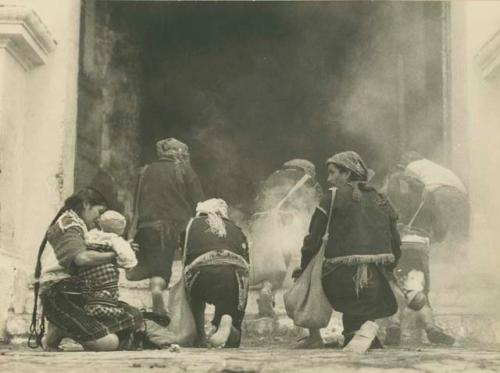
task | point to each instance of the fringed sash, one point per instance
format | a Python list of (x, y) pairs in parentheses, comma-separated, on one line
[(361, 261)]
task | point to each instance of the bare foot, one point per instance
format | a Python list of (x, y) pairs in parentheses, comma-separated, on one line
[(52, 338), (265, 301), (311, 342), (48, 348), (219, 338), (157, 286)]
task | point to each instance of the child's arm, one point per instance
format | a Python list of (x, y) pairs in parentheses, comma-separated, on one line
[(92, 258)]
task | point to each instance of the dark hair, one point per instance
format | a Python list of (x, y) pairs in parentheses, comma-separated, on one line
[(75, 202)]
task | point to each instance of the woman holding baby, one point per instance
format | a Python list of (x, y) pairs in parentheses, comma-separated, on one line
[(70, 264)]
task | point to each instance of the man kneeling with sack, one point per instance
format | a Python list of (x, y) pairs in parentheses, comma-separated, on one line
[(421, 227), (363, 242), (216, 269)]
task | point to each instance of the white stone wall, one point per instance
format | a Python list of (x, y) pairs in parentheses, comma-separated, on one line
[(476, 108), (37, 135), (12, 86)]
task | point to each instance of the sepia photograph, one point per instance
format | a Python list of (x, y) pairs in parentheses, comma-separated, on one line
[(249, 186)]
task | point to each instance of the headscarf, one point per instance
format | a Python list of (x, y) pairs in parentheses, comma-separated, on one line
[(216, 210), (351, 161), (173, 149), (303, 164)]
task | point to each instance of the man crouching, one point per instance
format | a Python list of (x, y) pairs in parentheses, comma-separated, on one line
[(216, 272)]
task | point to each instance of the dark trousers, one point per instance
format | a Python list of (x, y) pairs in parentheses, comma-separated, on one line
[(157, 245), (218, 286), (376, 300)]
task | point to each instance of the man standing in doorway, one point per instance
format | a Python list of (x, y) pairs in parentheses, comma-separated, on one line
[(167, 194)]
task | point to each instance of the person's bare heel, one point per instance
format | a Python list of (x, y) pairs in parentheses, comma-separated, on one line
[(157, 286), (314, 340), (52, 338), (220, 337)]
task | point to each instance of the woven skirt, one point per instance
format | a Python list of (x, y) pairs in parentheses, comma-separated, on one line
[(63, 305)]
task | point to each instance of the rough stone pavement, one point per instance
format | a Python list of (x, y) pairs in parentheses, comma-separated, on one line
[(254, 359)]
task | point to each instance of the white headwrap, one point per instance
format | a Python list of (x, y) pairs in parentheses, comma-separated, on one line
[(216, 210)]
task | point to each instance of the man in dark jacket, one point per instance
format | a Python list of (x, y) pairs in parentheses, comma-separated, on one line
[(168, 192)]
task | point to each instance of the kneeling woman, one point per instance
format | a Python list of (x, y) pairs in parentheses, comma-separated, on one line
[(363, 243), (61, 289), (216, 272)]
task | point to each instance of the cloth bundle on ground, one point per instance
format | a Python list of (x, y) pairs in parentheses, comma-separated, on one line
[(182, 327)]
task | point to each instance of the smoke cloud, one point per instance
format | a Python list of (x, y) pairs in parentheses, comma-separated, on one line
[(251, 85)]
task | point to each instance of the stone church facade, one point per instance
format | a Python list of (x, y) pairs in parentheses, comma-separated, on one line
[(42, 97)]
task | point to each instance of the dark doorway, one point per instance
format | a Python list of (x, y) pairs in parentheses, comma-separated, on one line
[(249, 86)]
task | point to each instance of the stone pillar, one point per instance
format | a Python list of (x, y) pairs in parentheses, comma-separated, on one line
[(38, 80), (483, 89), (475, 135), (25, 44)]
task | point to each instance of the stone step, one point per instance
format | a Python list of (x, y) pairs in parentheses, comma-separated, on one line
[(465, 327), (468, 330), (473, 320)]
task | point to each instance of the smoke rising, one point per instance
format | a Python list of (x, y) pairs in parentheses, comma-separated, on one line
[(247, 86), (251, 85), (282, 212)]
